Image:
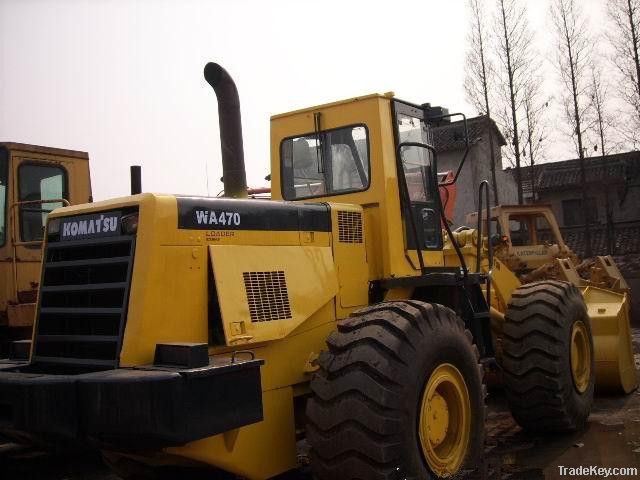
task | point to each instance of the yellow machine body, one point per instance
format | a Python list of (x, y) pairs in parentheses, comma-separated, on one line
[(327, 278), (169, 302)]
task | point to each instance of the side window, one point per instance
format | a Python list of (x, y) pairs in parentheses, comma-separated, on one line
[(38, 183), (3, 197), (544, 232), (327, 163), (519, 231)]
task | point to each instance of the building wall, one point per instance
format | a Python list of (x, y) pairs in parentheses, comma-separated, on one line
[(627, 211), (477, 168)]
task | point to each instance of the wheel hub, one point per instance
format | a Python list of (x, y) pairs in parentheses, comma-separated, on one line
[(445, 420), (438, 413), (580, 356)]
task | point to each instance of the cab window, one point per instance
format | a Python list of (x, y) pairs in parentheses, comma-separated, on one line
[(38, 183), (3, 197), (519, 231), (544, 232), (326, 163)]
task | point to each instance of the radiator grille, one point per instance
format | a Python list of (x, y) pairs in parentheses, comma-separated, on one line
[(83, 301), (350, 227), (267, 296)]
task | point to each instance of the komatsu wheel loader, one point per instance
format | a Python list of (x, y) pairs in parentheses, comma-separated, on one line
[(175, 329), (34, 180)]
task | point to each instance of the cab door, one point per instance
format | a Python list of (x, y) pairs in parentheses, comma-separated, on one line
[(39, 188), (417, 175)]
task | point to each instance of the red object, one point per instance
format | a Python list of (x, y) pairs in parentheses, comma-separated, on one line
[(447, 194)]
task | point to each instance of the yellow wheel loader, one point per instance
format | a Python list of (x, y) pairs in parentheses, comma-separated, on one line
[(529, 248), (221, 331), (34, 180)]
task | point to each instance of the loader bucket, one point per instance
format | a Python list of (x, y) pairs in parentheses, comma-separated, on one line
[(614, 363)]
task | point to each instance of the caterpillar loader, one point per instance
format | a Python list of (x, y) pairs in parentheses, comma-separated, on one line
[(176, 329), (530, 248), (34, 180)]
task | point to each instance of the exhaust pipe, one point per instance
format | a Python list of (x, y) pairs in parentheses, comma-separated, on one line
[(234, 176), (136, 179)]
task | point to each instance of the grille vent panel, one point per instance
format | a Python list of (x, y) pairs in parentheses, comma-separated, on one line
[(350, 227), (267, 295), (83, 301)]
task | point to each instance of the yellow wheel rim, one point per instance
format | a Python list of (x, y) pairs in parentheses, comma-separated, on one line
[(445, 420), (580, 356)]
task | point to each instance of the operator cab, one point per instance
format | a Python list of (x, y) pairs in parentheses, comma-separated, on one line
[(376, 152), (530, 235)]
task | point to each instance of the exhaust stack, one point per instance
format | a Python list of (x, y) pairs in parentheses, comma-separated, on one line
[(234, 176), (136, 179)]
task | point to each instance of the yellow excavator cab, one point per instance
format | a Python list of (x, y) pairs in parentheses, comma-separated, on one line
[(34, 180)]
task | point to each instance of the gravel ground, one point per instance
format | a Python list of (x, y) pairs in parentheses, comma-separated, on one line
[(612, 439)]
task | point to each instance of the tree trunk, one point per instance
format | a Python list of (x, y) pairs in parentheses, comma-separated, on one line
[(485, 88), (583, 176), (634, 40), (512, 98)]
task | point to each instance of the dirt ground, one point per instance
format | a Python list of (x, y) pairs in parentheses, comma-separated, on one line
[(612, 439)]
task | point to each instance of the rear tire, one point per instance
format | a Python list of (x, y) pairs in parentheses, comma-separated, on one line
[(390, 367), (547, 389)]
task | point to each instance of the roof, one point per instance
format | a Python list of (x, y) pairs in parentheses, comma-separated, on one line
[(626, 240), (451, 136), (525, 171), (25, 147), (613, 169)]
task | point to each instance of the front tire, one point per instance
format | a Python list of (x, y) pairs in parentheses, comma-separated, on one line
[(398, 395), (548, 358)]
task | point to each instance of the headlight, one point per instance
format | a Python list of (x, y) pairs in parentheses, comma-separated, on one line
[(130, 224), (54, 226)]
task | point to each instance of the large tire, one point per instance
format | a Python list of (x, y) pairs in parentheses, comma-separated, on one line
[(366, 418), (547, 390)]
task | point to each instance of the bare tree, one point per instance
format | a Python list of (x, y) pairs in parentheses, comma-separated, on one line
[(601, 126), (479, 77), (535, 132), (573, 62), (513, 49), (603, 122), (624, 37)]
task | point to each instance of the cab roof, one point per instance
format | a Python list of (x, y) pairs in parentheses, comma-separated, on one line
[(25, 147), (387, 95)]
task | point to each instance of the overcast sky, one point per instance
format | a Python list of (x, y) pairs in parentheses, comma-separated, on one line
[(123, 79)]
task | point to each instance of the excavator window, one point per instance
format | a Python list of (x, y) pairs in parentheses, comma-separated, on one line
[(330, 162), (39, 182), (526, 230), (519, 231), (3, 196), (544, 232)]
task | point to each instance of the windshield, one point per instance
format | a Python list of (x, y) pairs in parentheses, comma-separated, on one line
[(416, 161)]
